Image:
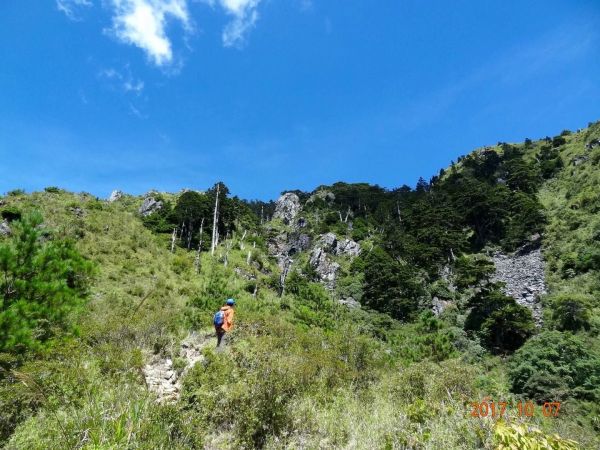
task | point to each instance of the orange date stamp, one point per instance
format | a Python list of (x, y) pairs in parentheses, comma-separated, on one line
[(522, 409)]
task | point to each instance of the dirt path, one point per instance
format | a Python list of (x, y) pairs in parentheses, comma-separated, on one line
[(163, 379)]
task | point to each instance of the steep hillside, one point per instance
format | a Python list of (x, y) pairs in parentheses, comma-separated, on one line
[(365, 317)]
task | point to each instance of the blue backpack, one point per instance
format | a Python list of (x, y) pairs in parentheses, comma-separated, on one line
[(219, 318)]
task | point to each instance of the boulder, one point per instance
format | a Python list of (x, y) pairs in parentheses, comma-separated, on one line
[(287, 207), (349, 302), (4, 228), (592, 144), (78, 211), (115, 195), (149, 206), (579, 159), (438, 306)]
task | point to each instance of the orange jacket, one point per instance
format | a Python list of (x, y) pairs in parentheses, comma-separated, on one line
[(228, 322)]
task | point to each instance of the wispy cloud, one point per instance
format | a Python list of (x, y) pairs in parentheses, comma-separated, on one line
[(244, 16), (72, 8), (124, 81), (142, 23)]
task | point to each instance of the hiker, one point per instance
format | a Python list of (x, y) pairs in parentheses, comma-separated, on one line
[(223, 320)]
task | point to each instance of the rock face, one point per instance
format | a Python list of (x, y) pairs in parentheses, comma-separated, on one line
[(4, 228), (320, 261), (523, 274), (325, 268), (160, 375), (331, 244), (115, 195), (150, 206), (285, 245), (287, 207)]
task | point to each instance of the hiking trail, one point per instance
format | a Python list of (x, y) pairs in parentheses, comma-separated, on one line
[(160, 375)]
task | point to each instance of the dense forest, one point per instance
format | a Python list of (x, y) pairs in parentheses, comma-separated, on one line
[(366, 317)]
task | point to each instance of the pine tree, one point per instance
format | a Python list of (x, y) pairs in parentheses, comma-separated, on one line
[(42, 280)]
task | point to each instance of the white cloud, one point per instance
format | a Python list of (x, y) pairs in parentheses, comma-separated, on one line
[(123, 80), (71, 7), (142, 23), (244, 15)]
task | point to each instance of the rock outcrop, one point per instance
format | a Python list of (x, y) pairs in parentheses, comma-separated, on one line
[(325, 268), (592, 144), (115, 195), (4, 228), (349, 302), (287, 207), (160, 374), (345, 247), (327, 196), (285, 245), (150, 206), (524, 277), (320, 261)]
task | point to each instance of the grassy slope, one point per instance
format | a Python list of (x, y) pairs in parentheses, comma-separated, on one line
[(89, 391)]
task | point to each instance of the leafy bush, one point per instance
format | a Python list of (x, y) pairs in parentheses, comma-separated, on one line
[(42, 281), (553, 366), (390, 286), (509, 437), (53, 190), (571, 312), (502, 324)]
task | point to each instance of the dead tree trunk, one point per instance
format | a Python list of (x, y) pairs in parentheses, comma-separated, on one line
[(347, 214), (173, 238), (197, 260), (215, 232)]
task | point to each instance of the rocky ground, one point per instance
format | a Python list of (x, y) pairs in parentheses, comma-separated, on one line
[(524, 278), (162, 378)]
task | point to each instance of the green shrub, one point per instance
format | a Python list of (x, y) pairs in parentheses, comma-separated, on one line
[(571, 312), (554, 366), (521, 436), (53, 190), (502, 324)]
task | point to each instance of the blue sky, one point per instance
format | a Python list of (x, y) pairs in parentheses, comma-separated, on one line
[(269, 95)]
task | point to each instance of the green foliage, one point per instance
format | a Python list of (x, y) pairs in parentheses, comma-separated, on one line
[(391, 286), (254, 389), (554, 366), (521, 436), (53, 190), (42, 281), (471, 271), (502, 324), (571, 312)]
